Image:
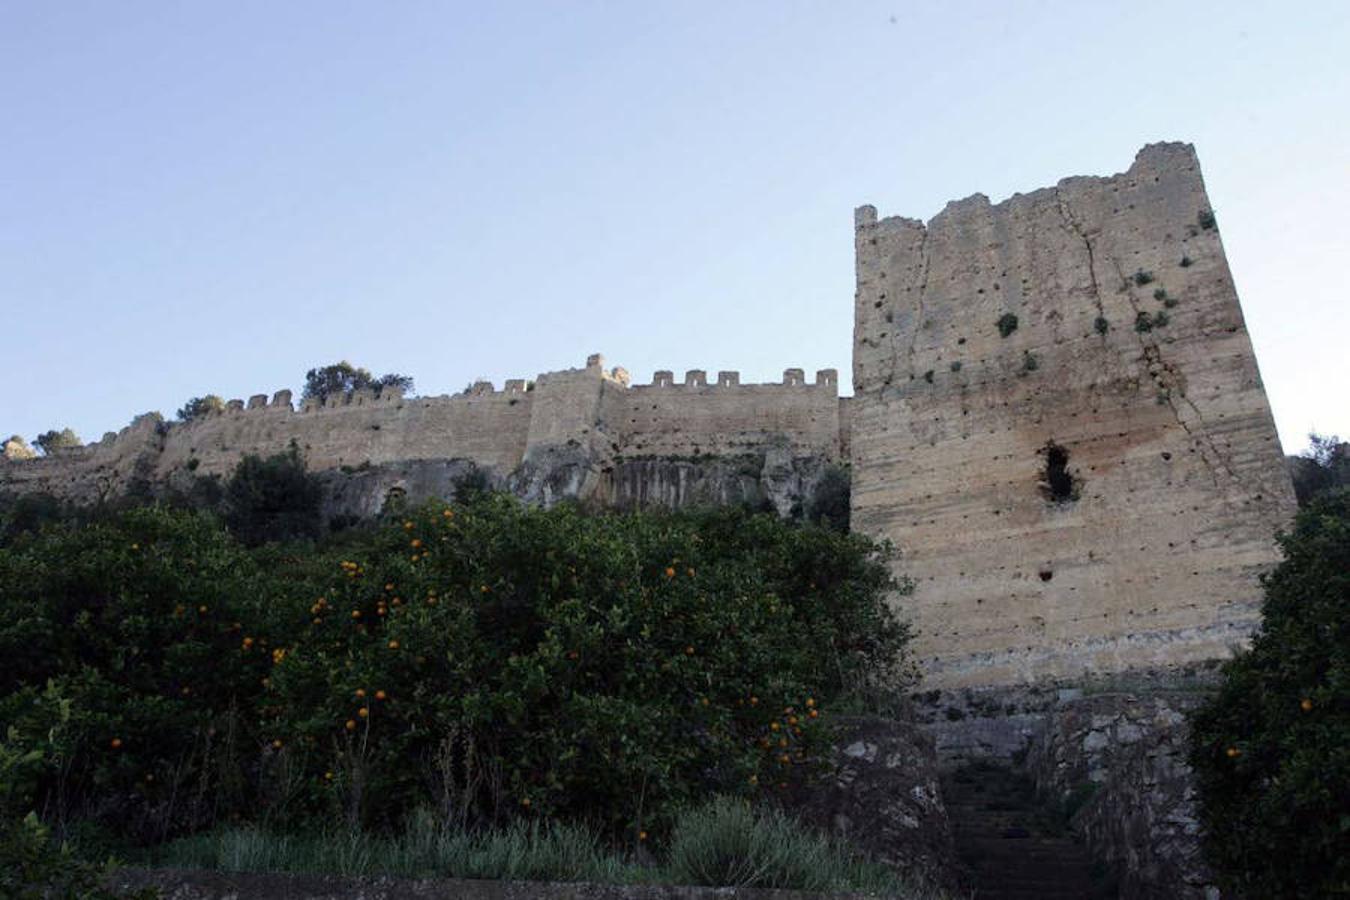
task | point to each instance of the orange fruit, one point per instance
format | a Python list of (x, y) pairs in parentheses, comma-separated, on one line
[(689, 651), (360, 692), (351, 725), (363, 712), (381, 695), (356, 614), (1306, 705), (774, 726), (813, 713), (115, 743), (670, 571), (276, 744), (642, 835), (1233, 752), (393, 645), (525, 802)]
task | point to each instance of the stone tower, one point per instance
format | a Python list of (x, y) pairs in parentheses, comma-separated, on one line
[(1059, 422)]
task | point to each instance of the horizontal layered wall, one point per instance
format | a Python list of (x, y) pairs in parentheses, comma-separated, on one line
[(1059, 421)]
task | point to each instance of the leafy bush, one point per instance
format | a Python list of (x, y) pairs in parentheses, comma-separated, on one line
[(50, 441), (1007, 324), (1324, 467), (831, 499), (606, 669), (727, 843), (121, 661), (343, 378), (198, 407), (1272, 750), (493, 661), (273, 499), (1101, 325)]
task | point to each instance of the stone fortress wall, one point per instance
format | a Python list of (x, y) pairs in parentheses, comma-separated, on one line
[(591, 408), (1094, 490)]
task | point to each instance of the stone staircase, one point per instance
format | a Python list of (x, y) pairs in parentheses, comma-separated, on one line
[(1011, 846)]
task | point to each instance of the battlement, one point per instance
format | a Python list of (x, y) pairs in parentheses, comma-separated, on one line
[(698, 378)]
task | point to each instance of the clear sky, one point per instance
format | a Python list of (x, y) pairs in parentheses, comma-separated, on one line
[(213, 197)]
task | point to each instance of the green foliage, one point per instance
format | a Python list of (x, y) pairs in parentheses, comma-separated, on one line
[(728, 843), (1007, 324), (724, 843), (426, 847), (273, 499), (1205, 219), (513, 664), (831, 499), (52, 440), (1324, 467), (1029, 361), (606, 669), (956, 366), (1145, 322), (201, 406), (1272, 750), (344, 378), (1186, 262), (1101, 325), (15, 447), (1142, 277), (121, 661)]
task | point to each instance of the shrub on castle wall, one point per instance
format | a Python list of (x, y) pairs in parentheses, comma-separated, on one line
[(1272, 751), (492, 661)]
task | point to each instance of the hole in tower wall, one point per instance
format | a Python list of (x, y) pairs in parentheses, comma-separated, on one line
[(1057, 482)]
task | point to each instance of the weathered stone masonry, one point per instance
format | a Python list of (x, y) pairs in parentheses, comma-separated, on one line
[(1093, 486), (1057, 418)]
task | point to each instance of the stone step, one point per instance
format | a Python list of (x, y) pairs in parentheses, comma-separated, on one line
[(1010, 847)]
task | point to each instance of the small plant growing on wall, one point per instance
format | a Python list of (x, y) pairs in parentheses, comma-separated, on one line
[(1007, 324), (1186, 262), (956, 366), (1206, 219), (1142, 277), (1029, 361), (1101, 325), (928, 376)]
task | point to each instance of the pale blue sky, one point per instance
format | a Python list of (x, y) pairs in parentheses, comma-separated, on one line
[(213, 197)]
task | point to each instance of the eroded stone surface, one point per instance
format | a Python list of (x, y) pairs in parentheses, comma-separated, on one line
[(1098, 320)]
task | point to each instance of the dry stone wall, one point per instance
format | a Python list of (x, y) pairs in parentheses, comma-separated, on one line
[(1059, 421)]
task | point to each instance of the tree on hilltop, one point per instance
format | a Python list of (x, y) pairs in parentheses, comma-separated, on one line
[(15, 447), (343, 378), (52, 440), (1324, 466), (201, 406)]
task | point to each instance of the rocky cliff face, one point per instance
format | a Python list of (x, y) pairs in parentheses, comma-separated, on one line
[(776, 480)]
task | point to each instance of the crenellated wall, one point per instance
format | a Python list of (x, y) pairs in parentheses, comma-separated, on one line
[(722, 417), (588, 414)]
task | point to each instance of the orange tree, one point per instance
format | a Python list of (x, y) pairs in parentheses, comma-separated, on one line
[(1272, 749), (500, 660), (118, 642)]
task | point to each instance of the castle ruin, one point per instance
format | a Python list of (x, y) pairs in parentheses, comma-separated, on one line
[(1057, 419)]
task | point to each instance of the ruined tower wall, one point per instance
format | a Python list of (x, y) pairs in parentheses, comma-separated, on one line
[(1178, 477)]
